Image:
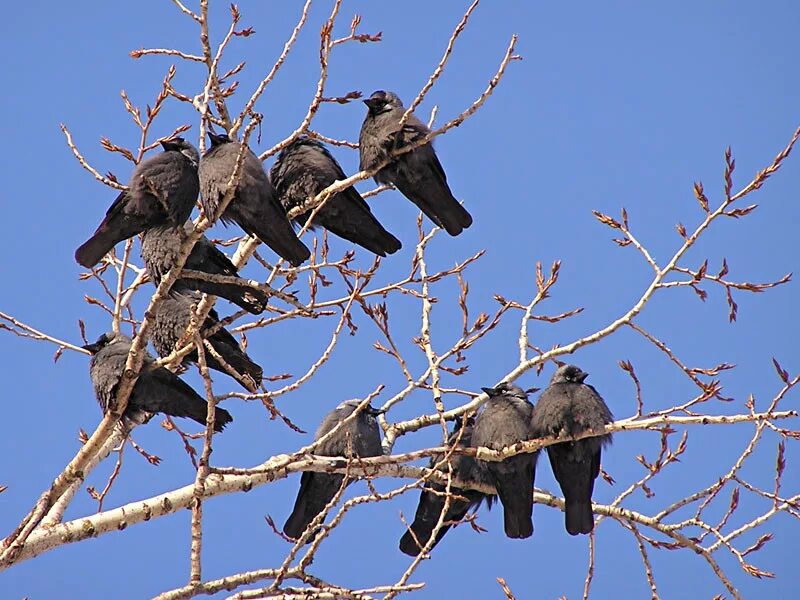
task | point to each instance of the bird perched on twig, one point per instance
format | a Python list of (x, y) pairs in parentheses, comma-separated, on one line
[(162, 190), (360, 437), (160, 246), (254, 206), (570, 407), (305, 168), (157, 390), (418, 174), (506, 420), (173, 316), (432, 498)]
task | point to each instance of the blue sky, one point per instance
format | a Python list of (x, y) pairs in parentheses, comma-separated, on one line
[(615, 104)]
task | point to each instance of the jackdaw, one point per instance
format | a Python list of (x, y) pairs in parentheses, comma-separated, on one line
[(305, 168), (418, 174), (156, 390), (160, 246), (570, 407), (172, 317), (504, 421), (254, 206), (162, 190), (432, 497), (360, 437)]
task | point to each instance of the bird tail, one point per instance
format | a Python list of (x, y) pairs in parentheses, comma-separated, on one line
[(196, 410), (253, 301), (428, 511), (316, 490), (578, 517), (355, 223), (115, 227), (516, 495), (277, 233), (110, 232), (238, 359), (439, 205)]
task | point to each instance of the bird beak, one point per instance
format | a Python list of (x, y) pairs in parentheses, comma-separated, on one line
[(582, 377), (490, 391), (370, 102), (168, 144), (92, 348), (374, 411), (532, 390)]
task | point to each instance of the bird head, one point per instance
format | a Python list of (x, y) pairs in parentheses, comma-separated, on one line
[(569, 374), (217, 139), (506, 389), (103, 341), (381, 101), (178, 144), (367, 410)]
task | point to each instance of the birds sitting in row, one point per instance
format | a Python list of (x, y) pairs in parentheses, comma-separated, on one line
[(164, 188), (568, 407)]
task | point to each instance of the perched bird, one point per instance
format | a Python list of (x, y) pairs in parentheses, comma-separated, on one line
[(362, 435), (162, 190), (432, 498), (160, 246), (418, 174), (506, 420), (570, 407), (156, 390), (305, 168), (254, 206), (172, 317)]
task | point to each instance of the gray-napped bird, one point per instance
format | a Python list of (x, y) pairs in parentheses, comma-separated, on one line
[(360, 437), (254, 206), (173, 315), (160, 246), (570, 407), (305, 168), (504, 421), (418, 174), (157, 390), (432, 498), (162, 190)]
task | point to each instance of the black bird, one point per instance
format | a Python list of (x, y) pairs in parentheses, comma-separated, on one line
[(570, 407), (506, 420), (156, 390), (362, 434), (173, 315), (418, 174), (162, 190), (254, 206), (305, 168), (432, 499), (160, 247)]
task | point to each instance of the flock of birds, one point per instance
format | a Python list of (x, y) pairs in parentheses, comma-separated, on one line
[(157, 203)]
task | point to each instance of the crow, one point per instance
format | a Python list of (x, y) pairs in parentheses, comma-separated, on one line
[(160, 246), (157, 390), (506, 420), (360, 437), (172, 317), (162, 190), (570, 407), (432, 497), (254, 206), (418, 174), (305, 168)]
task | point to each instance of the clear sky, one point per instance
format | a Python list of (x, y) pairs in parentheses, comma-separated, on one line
[(615, 104)]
